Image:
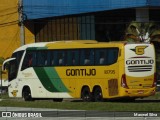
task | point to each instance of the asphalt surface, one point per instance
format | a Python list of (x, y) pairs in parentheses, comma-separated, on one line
[(21, 113)]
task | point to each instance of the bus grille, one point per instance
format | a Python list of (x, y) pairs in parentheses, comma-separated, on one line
[(142, 68), (113, 87)]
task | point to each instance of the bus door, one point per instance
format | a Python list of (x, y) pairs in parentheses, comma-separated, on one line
[(12, 78)]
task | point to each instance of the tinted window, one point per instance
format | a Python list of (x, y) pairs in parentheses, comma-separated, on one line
[(18, 56), (70, 57), (29, 59), (43, 58), (61, 57), (73, 57), (112, 55), (87, 57), (100, 56), (106, 56)]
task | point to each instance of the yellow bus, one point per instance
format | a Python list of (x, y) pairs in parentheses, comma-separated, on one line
[(90, 70)]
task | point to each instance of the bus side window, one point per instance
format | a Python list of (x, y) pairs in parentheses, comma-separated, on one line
[(52, 56), (55, 59), (100, 57), (60, 59), (112, 55), (39, 58), (61, 55), (87, 57), (73, 57), (47, 58), (43, 58), (28, 60), (106, 56), (82, 57), (18, 56)]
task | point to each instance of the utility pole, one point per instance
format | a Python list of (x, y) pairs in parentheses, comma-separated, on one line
[(1, 82), (21, 22)]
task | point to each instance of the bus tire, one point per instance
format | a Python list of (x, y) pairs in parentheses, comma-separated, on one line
[(97, 95), (26, 94), (57, 99), (86, 94)]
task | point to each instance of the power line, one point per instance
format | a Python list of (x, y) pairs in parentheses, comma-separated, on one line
[(9, 23), (8, 14)]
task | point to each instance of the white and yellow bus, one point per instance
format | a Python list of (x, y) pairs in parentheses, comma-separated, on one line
[(89, 70)]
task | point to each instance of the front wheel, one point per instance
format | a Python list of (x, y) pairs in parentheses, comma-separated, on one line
[(27, 94)]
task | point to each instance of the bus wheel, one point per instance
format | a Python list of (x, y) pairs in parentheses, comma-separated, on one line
[(85, 94), (27, 94), (58, 99), (97, 94)]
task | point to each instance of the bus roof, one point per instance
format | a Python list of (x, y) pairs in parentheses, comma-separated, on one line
[(74, 43), (43, 44)]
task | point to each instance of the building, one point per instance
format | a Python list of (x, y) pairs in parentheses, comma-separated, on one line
[(9, 28), (52, 20), (103, 20)]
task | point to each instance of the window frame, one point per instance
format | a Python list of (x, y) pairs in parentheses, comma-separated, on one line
[(55, 54)]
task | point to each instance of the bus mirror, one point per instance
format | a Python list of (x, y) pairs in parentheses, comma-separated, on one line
[(3, 68), (5, 64)]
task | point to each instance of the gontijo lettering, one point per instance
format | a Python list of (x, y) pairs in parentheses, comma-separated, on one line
[(81, 72), (136, 62)]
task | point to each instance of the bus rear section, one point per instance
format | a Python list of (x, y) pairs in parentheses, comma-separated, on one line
[(139, 77)]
